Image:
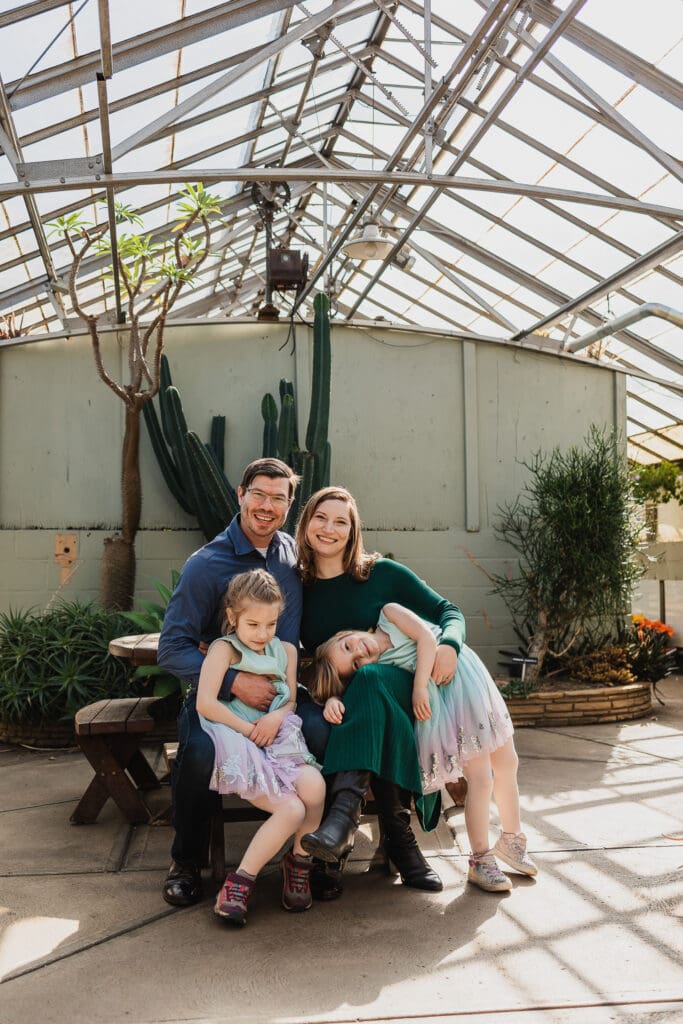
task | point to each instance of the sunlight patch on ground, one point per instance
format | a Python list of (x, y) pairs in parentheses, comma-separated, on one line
[(32, 939)]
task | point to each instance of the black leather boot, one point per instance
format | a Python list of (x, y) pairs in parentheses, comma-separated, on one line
[(333, 840), (400, 844), (183, 885)]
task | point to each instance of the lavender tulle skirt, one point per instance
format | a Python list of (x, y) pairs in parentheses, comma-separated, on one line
[(469, 717), (250, 771)]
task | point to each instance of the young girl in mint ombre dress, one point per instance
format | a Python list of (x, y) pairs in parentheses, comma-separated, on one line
[(461, 728)]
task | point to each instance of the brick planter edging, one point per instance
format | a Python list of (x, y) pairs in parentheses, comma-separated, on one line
[(581, 707)]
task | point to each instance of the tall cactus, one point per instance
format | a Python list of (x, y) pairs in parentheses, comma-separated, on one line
[(192, 470), (313, 463)]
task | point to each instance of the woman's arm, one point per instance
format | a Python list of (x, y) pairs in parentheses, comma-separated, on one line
[(413, 593), (414, 628), (219, 658)]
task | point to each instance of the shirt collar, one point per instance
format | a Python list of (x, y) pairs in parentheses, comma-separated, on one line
[(241, 543)]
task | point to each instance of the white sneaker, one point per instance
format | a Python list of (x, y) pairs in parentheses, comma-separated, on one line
[(512, 850), (485, 873)]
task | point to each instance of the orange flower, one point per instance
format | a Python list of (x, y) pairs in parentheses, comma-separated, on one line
[(641, 623)]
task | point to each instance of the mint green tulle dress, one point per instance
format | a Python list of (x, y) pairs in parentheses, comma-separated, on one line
[(469, 716)]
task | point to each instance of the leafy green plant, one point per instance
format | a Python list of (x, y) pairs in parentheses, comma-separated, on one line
[(575, 531), (149, 618), (519, 687), (53, 663), (658, 483)]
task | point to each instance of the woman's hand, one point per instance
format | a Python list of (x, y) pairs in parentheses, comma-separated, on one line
[(421, 708), (265, 729), (445, 664), (333, 712)]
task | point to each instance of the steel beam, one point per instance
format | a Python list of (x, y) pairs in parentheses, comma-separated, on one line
[(615, 56), (614, 116), (506, 96), (213, 88), (376, 178), (649, 259), (29, 11), (13, 153), (464, 65), (107, 164), (147, 46)]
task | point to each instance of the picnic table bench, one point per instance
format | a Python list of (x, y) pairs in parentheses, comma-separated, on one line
[(109, 733)]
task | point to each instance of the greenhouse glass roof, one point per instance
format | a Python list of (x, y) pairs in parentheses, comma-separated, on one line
[(522, 158)]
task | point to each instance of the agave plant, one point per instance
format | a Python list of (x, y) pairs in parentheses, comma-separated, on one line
[(53, 663)]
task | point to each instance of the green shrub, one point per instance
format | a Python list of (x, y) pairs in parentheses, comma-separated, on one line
[(53, 663), (575, 531)]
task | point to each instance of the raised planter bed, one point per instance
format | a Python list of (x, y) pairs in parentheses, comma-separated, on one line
[(50, 734), (62, 734), (581, 707)]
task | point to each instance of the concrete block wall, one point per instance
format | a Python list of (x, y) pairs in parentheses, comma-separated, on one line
[(428, 431)]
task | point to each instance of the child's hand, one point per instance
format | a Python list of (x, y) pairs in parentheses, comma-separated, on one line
[(445, 664), (265, 729), (333, 711), (421, 708)]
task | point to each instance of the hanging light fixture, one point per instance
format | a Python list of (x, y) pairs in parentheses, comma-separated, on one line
[(370, 244)]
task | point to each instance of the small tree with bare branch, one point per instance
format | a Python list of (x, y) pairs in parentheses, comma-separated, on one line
[(152, 276)]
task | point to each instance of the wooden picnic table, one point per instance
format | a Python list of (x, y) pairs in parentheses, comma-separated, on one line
[(139, 650)]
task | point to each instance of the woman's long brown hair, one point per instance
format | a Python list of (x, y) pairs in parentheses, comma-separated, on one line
[(357, 562)]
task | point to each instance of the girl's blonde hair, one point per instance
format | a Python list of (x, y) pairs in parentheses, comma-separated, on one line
[(325, 679), (257, 585), (357, 562)]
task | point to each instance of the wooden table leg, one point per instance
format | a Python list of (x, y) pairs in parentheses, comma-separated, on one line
[(91, 803), (134, 761), (109, 756)]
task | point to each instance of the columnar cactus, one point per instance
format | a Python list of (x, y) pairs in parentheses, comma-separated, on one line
[(313, 463), (192, 470)]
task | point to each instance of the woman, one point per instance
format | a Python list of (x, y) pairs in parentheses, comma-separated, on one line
[(345, 588)]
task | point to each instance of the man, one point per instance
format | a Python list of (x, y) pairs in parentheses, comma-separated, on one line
[(253, 540)]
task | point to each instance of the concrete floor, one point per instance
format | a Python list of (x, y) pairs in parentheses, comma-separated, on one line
[(86, 938)]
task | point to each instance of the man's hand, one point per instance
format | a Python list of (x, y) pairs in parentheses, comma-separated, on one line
[(421, 708), (265, 729), (256, 691), (333, 711), (445, 664)]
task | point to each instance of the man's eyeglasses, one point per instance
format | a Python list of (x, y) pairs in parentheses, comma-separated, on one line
[(278, 500)]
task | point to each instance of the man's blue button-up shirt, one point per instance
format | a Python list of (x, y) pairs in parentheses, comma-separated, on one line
[(195, 611)]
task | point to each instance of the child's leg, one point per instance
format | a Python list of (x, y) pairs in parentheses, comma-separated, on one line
[(285, 819), (483, 870), (504, 762), (310, 786), (477, 802)]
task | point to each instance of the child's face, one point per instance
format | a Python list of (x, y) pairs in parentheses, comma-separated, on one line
[(352, 650), (255, 623)]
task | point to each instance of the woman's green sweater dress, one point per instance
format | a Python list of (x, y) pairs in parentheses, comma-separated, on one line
[(377, 733)]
